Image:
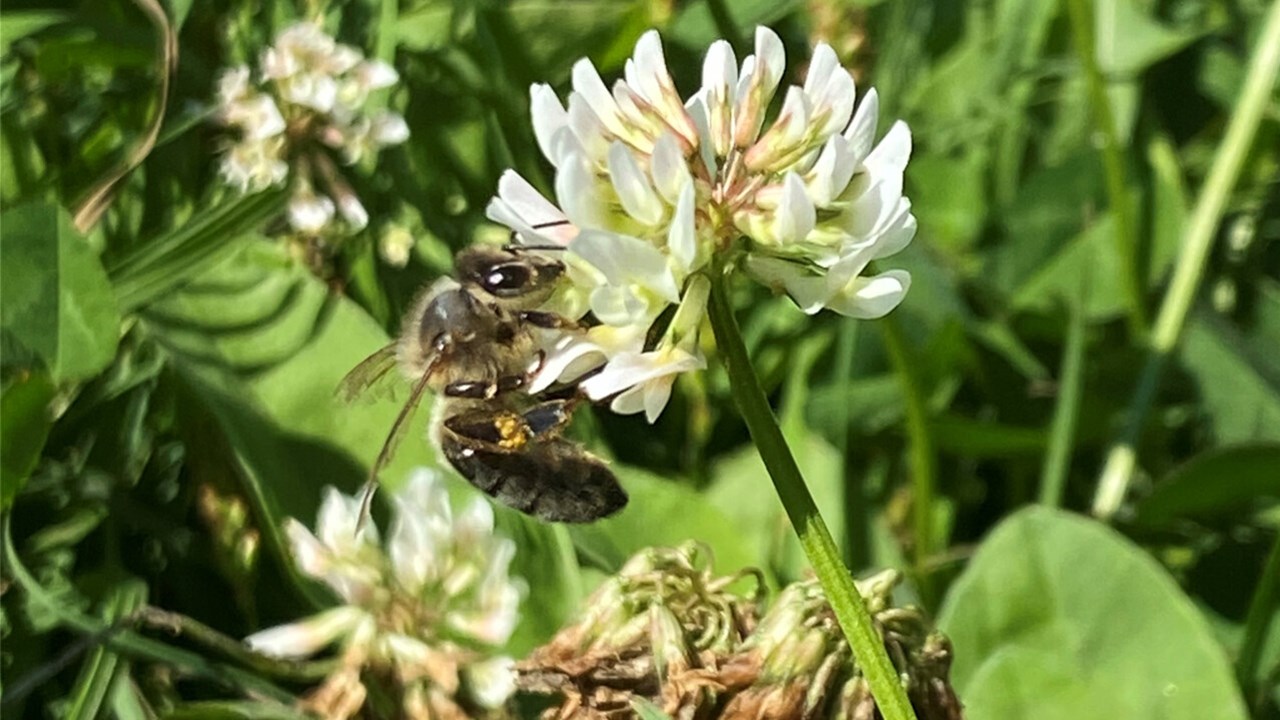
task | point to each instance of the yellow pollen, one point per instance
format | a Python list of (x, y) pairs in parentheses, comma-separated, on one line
[(512, 430)]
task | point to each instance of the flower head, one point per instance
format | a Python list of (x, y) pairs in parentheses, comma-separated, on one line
[(428, 607), (310, 97), (650, 187)]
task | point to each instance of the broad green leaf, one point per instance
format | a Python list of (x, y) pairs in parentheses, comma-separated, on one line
[(24, 425), (949, 197), (17, 24), (426, 26), (1238, 374), (1044, 219), (265, 319), (56, 305), (1058, 616), (546, 561), (742, 489), (1087, 262), (1223, 484), (663, 512), (1129, 40)]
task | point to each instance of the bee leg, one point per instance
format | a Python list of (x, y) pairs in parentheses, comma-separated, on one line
[(482, 390), (550, 321), (548, 419)]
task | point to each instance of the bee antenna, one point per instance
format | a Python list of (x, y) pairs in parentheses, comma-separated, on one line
[(517, 247), (388, 447)]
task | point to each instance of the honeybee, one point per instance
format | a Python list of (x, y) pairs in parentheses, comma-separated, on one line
[(471, 340)]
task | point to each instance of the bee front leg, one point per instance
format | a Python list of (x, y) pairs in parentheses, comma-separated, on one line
[(484, 390), (550, 321)]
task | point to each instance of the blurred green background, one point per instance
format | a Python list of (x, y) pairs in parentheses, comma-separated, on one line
[(169, 369)]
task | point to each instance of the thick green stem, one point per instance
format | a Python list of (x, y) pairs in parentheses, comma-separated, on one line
[(920, 455), (1189, 271), (1113, 165), (815, 539), (198, 632)]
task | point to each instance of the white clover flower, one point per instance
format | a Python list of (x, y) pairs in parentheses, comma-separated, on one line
[(650, 187), (311, 96), (423, 607)]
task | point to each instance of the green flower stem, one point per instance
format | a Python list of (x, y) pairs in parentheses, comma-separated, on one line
[(1113, 163), (1257, 623), (921, 452), (201, 634), (815, 539), (1057, 460), (129, 643), (1202, 227)]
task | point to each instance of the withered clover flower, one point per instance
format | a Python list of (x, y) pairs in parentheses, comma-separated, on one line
[(648, 635), (652, 191), (307, 101), (656, 630), (427, 609)]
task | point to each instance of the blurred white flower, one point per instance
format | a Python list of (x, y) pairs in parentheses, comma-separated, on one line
[(311, 94), (649, 187), (395, 245), (429, 607)]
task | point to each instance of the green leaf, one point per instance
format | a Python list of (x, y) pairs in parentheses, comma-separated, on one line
[(1223, 484), (1058, 616), (154, 267), (741, 488), (234, 710), (545, 559), (1088, 260), (24, 425), (104, 666), (56, 305), (18, 24), (1238, 371), (1129, 40), (663, 512)]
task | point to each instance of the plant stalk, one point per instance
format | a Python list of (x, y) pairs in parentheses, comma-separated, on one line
[(1066, 414), (1261, 614), (1228, 162), (866, 643), (129, 643), (920, 457), (1121, 203)]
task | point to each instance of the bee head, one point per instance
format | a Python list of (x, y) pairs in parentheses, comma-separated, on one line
[(508, 274)]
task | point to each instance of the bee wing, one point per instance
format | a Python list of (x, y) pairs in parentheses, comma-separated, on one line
[(371, 373), (394, 436)]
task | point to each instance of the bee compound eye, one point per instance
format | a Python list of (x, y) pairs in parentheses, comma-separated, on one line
[(506, 279)]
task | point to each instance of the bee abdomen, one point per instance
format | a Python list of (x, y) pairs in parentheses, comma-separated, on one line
[(556, 481)]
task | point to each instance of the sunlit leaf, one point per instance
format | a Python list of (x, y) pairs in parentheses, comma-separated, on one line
[(24, 425), (56, 305), (1060, 617)]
